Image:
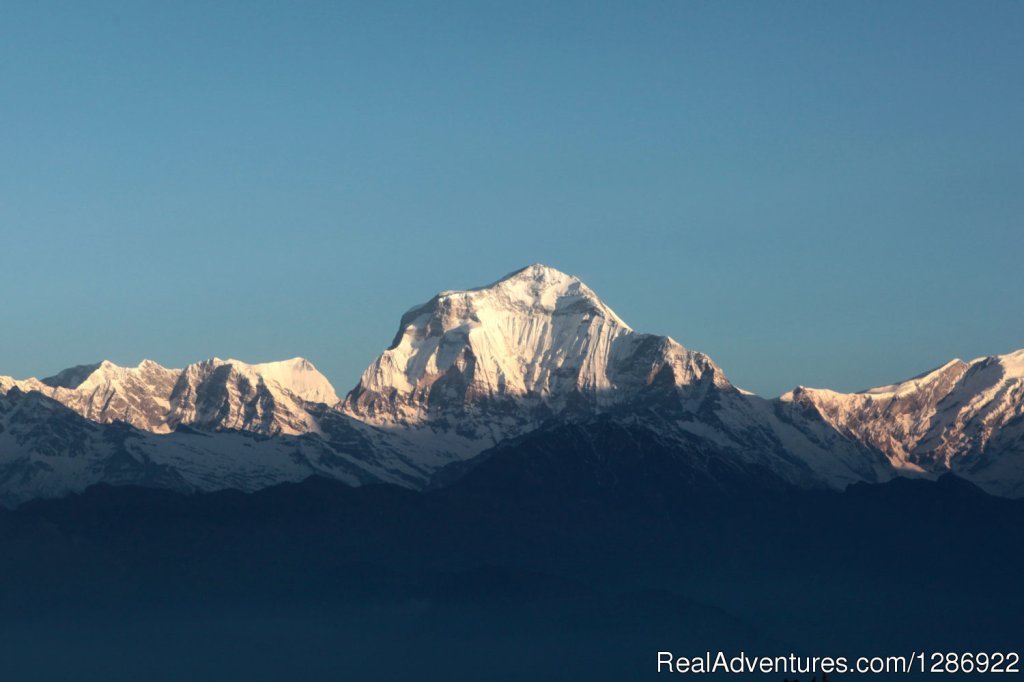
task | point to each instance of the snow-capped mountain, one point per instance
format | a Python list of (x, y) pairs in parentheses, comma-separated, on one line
[(48, 450), (492, 362), (267, 398), (965, 417), (214, 424), (106, 393), (470, 370), (214, 394)]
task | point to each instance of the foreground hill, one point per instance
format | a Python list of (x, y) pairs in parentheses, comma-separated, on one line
[(586, 576)]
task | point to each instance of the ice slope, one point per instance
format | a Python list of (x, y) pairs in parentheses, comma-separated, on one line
[(964, 417), (265, 398)]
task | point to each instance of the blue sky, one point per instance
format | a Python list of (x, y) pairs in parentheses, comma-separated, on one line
[(828, 194)]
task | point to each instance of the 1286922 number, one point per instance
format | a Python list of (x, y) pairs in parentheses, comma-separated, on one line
[(995, 662)]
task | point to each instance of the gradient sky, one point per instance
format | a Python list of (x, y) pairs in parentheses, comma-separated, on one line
[(827, 194)]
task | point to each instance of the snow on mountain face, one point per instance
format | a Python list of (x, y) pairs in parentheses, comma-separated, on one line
[(266, 399), (964, 416), (108, 393), (536, 343), (216, 394), (214, 424), (298, 376), (72, 377), (467, 370), (48, 450), (470, 369), (892, 419)]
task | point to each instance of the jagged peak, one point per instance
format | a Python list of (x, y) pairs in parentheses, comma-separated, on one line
[(916, 382), (73, 377), (292, 363), (902, 387), (536, 288), (538, 336), (537, 273), (1011, 363), (296, 375)]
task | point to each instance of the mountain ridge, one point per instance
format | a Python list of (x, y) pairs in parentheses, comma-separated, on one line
[(471, 369)]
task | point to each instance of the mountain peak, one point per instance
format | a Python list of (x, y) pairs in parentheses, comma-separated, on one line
[(535, 289), (538, 273), (1011, 363), (72, 377), (535, 343), (81, 376), (297, 375)]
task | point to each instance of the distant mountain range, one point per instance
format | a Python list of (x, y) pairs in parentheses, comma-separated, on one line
[(532, 360)]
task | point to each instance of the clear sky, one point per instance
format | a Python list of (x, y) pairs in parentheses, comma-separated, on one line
[(818, 193)]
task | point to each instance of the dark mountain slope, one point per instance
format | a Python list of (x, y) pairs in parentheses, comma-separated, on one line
[(545, 561)]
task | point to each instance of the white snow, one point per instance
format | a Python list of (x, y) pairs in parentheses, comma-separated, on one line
[(471, 368), (156, 399), (297, 375), (938, 421), (537, 334)]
